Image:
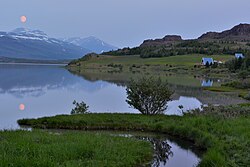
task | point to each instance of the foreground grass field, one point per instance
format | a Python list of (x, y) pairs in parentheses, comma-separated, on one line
[(39, 148), (226, 140)]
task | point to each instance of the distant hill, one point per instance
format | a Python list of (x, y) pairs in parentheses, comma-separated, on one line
[(91, 43), (167, 40), (23, 43), (240, 32), (230, 41)]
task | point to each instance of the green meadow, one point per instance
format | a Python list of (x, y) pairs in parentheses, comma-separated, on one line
[(186, 60), (40, 148), (225, 136)]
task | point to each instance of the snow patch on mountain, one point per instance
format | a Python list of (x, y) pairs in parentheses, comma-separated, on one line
[(35, 44), (27, 34), (92, 43)]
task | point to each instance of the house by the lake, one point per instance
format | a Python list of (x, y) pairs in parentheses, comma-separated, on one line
[(239, 55), (207, 83), (206, 60)]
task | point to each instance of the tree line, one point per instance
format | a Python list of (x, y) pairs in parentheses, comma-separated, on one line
[(183, 48)]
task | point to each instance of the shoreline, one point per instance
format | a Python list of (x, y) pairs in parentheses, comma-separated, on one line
[(213, 133), (33, 64)]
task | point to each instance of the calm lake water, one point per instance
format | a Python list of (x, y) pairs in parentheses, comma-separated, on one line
[(168, 151), (31, 91)]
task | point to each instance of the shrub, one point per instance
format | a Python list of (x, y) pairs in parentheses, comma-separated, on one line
[(238, 64), (243, 74), (239, 84), (247, 97), (134, 66), (232, 111), (148, 95), (80, 108)]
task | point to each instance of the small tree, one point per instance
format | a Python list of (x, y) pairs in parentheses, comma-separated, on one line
[(148, 95), (80, 108), (207, 64)]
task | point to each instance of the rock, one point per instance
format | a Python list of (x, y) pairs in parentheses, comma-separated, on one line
[(172, 38), (167, 40)]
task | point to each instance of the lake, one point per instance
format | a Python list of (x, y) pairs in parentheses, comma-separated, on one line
[(168, 150), (31, 91)]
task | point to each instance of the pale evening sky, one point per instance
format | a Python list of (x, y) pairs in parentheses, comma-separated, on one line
[(124, 22)]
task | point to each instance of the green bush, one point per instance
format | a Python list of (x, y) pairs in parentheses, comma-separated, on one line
[(239, 64), (222, 111), (247, 97), (80, 108), (243, 74), (240, 84), (148, 95)]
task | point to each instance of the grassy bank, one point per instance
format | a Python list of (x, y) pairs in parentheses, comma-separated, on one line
[(185, 60), (177, 64), (241, 92), (125, 77), (120, 68), (39, 148), (225, 139)]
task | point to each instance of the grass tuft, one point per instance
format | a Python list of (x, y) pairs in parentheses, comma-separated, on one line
[(40, 148)]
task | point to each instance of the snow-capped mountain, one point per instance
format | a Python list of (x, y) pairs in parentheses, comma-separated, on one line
[(29, 34), (92, 43), (35, 44)]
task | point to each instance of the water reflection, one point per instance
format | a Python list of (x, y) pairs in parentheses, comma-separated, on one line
[(35, 81), (21, 107), (183, 85), (169, 151), (207, 83), (187, 103), (207, 97), (37, 91), (162, 150)]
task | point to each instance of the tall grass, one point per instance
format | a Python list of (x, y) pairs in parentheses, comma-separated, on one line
[(39, 148), (227, 140)]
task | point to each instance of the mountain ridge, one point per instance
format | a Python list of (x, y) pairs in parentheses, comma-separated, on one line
[(229, 42), (168, 39), (239, 32), (35, 44), (92, 43)]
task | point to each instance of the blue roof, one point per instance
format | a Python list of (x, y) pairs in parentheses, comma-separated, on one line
[(239, 55), (207, 59)]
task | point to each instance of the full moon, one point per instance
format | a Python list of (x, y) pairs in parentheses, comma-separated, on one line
[(21, 107), (23, 19)]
